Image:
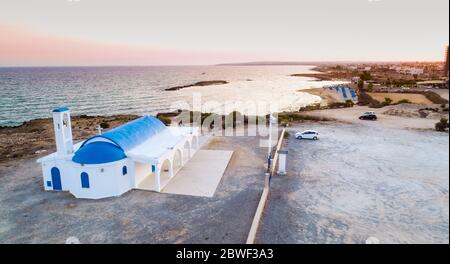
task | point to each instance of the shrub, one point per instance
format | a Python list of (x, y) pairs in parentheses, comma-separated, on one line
[(203, 116), (365, 99), (349, 103), (310, 107), (336, 105), (403, 83), (442, 125), (435, 98), (36, 130), (387, 101), (287, 117), (232, 119), (104, 125), (166, 120), (404, 101)]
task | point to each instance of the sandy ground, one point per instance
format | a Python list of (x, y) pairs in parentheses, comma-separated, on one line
[(395, 97), (328, 96), (351, 115), (444, 93), (384, 179), (31, 215)]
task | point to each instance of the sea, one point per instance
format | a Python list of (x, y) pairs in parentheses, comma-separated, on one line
[(28, 93)]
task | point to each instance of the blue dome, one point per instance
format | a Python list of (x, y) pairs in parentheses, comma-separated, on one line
[(98, 152)]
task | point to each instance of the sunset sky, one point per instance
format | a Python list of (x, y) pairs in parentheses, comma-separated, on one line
[(190, 32)]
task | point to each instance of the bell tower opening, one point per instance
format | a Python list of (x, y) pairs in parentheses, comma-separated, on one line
[(63, 131)]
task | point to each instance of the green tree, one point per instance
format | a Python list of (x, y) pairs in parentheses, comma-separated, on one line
[(388, 82), (442, 125), (361, 84), (366, 76), (370, 87), (387, 101), (349, 103)]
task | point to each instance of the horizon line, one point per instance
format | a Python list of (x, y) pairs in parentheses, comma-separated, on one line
[(248, 63)]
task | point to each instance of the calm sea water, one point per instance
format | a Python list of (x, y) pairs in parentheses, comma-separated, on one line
[(30, 93)]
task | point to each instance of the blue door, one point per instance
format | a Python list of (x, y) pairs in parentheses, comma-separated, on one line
[(56, 179)]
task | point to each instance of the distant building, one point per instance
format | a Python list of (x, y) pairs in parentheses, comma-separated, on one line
[(433, 84), (355, 80), (446, 63), (408, 70), (415, 71)]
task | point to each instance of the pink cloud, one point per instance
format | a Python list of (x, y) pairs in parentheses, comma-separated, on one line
[(22, 46)]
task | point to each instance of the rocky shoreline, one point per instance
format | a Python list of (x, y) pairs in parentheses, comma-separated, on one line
[(203, 83), (36, 137), (325, 76)]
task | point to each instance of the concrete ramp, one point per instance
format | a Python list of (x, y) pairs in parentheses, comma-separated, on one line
[(201, 175)]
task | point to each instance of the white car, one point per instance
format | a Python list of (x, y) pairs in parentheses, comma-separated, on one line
[(307, 134)]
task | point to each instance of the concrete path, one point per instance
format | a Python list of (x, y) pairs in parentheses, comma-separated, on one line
[(201, 175)]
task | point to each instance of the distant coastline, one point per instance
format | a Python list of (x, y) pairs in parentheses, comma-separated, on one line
[(272, 63), (306, 63)]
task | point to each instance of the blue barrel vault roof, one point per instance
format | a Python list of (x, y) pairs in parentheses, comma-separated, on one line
[(60, 110), (121, 139)]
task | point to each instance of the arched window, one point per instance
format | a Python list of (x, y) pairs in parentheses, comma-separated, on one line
[(84, 180), (65, 120), (124, 170)]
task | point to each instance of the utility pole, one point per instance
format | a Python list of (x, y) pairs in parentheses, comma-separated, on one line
[(272, 119)]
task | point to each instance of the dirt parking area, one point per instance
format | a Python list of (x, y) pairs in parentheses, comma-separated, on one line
[(396, 97), (351, 114), (360, 180), (31, 215)]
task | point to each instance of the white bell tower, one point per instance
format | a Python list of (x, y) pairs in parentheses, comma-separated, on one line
[(63, 131)]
